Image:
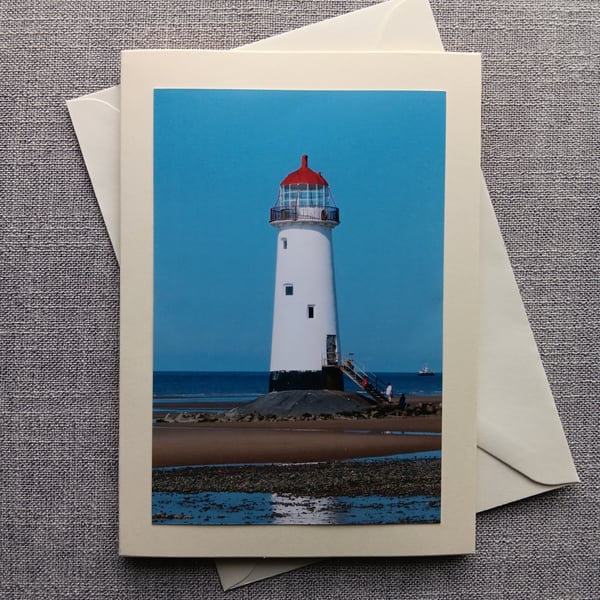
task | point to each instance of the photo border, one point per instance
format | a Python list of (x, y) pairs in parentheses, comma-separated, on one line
[(456, 74)]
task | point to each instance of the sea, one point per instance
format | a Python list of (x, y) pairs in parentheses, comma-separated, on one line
[(219, 391), (238, 508)]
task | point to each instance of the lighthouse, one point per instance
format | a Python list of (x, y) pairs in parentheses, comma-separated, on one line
[(305, 347)]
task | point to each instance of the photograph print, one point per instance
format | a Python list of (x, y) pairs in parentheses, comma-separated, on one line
[(298, 304)]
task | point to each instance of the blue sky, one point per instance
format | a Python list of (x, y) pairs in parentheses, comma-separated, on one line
[(219, 158)]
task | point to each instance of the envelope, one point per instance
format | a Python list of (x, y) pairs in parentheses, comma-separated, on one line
[(522, 450)]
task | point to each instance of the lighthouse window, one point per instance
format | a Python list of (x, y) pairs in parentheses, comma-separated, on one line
[(311, 311), (284, 243), (289, 289)]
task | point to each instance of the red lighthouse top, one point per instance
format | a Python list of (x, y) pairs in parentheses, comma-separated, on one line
[(304, 175)]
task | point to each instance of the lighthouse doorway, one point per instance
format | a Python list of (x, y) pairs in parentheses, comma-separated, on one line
[(332, 355)]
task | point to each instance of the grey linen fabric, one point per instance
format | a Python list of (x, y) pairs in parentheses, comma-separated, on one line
[(59, 289)]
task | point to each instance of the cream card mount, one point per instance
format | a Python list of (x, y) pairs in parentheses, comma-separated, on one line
[(457, 78)]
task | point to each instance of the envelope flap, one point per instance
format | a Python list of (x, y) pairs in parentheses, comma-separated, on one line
[(499, 483), (358, 30), (411, 22), (394, 25), (236, 572), (518, 422), (96, 119)]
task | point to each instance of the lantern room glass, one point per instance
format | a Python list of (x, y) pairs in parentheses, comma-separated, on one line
[(304, 194), (305, 202)]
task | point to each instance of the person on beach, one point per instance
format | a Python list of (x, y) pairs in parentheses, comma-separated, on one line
[(402, 401), (388, 393)]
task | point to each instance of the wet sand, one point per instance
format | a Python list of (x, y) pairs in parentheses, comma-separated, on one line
[(219, 443)]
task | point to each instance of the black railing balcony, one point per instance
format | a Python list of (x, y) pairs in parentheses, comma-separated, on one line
[(329, 214)]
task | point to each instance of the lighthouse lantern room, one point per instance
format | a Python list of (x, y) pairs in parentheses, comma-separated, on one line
[(305, 344)]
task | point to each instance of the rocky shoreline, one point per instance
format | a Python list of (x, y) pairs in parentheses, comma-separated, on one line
[(373, 412), (307, 405), (388, 478)]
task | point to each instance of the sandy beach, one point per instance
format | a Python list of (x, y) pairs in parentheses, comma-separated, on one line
[(260, 469), (219, 443)]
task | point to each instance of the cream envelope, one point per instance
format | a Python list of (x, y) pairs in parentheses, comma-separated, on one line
[(522, 450)]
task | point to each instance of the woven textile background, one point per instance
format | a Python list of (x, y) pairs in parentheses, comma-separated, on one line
[(60, 296)]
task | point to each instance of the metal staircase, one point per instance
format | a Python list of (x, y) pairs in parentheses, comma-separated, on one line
[(366, 381)]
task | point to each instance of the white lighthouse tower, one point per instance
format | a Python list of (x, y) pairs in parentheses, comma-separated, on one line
[(305, 344)]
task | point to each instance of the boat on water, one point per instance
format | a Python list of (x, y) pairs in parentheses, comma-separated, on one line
[(426, 371)]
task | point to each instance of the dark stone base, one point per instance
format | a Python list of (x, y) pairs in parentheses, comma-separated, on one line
[(328, 378)]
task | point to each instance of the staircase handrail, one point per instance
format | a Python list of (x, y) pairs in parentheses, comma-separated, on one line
[(362, 372), (347, 362)]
